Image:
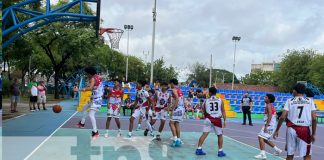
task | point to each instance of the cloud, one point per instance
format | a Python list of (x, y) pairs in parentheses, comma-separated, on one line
[(189, 30)]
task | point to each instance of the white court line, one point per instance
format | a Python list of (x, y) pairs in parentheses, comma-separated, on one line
[(13, 118), (31, 153), (251, 146)]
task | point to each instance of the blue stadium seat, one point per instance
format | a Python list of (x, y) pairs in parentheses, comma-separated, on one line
[(185, 94), (256, 103), (227, 91), (234, 97), (239, 92), (238, 102), (227, 96), (104, 102), (133, 97), (262, 109), (195, 100), (133, 85), (255, 109), (262, 98), (133, 90), (110, 84), (262, 104), (239, 97), (237, 109), (232, 103), (233, 92), (126, 91)]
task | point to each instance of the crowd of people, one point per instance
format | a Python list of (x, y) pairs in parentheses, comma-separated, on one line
[(152, 105)]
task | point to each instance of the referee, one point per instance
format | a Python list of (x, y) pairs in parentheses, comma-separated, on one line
[(246, 107)]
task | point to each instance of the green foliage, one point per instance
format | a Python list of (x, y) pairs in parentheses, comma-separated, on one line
[(316, 73), (259, 78), (295, 67), (200, 73)]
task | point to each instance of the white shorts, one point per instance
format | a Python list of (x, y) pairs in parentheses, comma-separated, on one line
[(160, 115), (112, 111), (41, 99), (150, 113), (140, 112), (267, 135), (296, 146), (177, 115), (93, 104), (208, 126)]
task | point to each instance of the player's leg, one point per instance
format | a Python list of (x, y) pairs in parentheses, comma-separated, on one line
[(139, 123), (291, 139), (202, 138), (135, 115), (107, 125), (272, 145), (95, 132), (118, 126), (84, 116)]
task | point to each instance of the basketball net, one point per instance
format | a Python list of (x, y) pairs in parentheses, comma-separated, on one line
[(114, 35)]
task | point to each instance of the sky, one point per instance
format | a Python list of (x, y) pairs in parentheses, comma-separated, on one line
[(189, 31)]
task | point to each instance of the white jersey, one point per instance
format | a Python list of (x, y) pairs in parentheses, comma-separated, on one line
[(142, 97), (162, 99), (98, 89), (213, 107), (273, 121), (299, 110)]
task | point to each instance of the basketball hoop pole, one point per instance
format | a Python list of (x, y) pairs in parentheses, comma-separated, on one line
[(153, 41)]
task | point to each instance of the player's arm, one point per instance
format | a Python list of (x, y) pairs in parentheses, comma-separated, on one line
[(90, 86), (223, 113), (281, 120), (251, 103), (203, 110), (268, 108), (176, 99), (136, 102), (314, 125)]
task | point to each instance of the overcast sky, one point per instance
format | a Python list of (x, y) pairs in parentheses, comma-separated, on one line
[(190, 30)]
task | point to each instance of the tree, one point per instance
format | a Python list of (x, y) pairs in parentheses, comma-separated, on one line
[(316, 71), (200, 73), (259, 78), (294, 67)]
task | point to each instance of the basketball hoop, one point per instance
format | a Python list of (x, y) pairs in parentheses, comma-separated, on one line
[(114, 35)]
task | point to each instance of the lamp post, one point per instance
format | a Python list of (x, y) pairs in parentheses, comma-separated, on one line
[(235, 39), (127, 28), (153, 40)]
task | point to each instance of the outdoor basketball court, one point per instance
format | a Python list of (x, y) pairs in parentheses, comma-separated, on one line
[(53, 136)]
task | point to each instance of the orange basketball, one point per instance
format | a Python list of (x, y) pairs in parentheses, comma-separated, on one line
[(57, 108)]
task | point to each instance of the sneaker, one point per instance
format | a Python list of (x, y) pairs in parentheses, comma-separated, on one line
[(151, 134), (129, 135), (95, 135), (158, 138), (277, 152), (119, 134), (145, 132), (200, 152), (32, 110), (138, 128), (260, 156), (251, 124), (106, 135), (178, 143), (173, 144), (44, 109), (243, 124), (80, 125), (221, 154)]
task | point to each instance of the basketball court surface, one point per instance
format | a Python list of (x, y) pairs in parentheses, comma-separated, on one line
[(46, 135)]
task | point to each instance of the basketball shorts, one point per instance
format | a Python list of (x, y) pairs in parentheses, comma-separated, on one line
[(209, 126), (161, 115), (178, 113), (141, 111), (113, 110), (295, 145), (267, 135)]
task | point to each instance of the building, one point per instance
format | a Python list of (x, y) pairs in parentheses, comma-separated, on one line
[(266, 66)]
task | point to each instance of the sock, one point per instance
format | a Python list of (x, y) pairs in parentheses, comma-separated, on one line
[(119, 130), (93, 120), (221, 149), (175, 138), (139, 126), (199, 147), (149, 125), (107, 131), (262, 152), (276, 148)]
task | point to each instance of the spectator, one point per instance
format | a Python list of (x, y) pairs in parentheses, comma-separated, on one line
[(246, 107), (106, 93), (15, 95), (128, 105), (33, 95), (75, 92), (41, 98)]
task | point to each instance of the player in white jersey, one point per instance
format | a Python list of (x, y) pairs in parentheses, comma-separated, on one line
[(177, 111), (95, 85), (115, 99), (142, 103), (301, 115), (213, 110), (268, 128), (160, 109)]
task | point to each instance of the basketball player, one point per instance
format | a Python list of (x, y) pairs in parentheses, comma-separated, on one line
[(213, 110), (141, 104), (160, 110), (96, 87), (177, 111), (268, 128), (114, 105), (301, 115), (149, 112)]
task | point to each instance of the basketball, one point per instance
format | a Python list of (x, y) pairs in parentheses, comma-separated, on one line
[(57, 108)]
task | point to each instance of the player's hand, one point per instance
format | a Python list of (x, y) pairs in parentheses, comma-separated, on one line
[(313, 139), (153, 113), (224, 124), (275, 135)]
